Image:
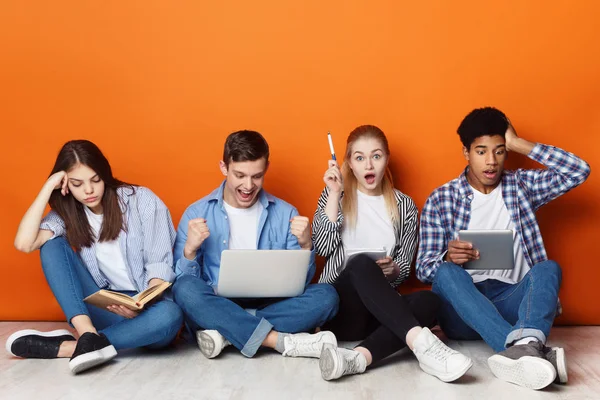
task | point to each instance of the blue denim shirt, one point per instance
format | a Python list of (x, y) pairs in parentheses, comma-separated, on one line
[(273, 233)]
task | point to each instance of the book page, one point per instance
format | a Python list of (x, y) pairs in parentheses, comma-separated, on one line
[(104, 298), (152, 292)]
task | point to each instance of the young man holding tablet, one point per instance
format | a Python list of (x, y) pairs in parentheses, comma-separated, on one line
[(239, 214), (504, 307)]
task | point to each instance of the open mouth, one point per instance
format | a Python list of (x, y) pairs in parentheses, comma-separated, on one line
[(370, 178), (245, 195), (490, 173)]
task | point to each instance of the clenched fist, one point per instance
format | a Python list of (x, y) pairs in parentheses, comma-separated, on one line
[(300, 227), (196, 235)]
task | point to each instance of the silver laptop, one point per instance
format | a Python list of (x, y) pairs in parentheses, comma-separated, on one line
[(263, 273), (495, 248)]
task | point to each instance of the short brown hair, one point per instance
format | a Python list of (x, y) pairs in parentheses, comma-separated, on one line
[(245, 145)]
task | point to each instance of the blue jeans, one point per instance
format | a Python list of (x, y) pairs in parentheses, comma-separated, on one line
[(70, 281), (500, 313), (246, 331)]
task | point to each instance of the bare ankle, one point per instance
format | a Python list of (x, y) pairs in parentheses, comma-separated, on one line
[(365, 352), (66, 349), (271, 339), (412, 335)]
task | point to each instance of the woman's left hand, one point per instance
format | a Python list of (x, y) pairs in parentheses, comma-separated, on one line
[(154, 282), (122, 311), (389, 267)]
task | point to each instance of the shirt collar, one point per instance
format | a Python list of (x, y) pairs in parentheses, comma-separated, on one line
[(217, 195)]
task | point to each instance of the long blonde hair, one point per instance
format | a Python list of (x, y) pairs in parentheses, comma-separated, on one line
[(349, 202)]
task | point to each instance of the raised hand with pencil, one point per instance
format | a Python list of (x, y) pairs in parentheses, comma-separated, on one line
[(335, 183), (333, 175)]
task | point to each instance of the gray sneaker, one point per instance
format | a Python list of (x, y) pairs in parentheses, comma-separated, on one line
[(524, 365), (336, 362), (556, 356)]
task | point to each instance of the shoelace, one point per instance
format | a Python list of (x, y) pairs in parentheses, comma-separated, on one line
[(303, 345), (440, 351), (352, 364)]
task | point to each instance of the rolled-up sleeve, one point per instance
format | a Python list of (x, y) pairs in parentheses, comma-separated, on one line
[(159, 237), (54, 223)]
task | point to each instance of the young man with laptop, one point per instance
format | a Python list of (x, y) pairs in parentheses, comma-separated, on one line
[(512, 309), (240, 230)]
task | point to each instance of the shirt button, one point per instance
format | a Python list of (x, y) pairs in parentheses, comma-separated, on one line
[(224, 241), (226, 217)]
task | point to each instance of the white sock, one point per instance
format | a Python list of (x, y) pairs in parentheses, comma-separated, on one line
[(526, 340)]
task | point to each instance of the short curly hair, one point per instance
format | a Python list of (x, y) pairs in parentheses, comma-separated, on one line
[(486, 121)]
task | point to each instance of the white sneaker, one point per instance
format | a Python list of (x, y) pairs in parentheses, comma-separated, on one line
[(336, 362), (439, 360), (211, 342), (306, 344)]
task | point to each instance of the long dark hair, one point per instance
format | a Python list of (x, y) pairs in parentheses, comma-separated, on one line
[(78, 230)]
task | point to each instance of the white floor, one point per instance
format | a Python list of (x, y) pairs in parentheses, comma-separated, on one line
[(183, 373)]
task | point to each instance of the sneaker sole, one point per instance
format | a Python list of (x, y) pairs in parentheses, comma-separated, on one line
[(561, 365), (329, 363), (206, 345), (328, 338), (92, 359), (450, 376), (19, 334), (530, 372)]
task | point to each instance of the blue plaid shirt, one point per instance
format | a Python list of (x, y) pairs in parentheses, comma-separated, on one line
[(448, 208)]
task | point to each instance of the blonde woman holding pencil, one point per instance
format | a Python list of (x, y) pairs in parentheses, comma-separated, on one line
[(360, 211)]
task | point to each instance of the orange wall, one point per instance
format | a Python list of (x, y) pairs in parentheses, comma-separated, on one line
[(158, 86)]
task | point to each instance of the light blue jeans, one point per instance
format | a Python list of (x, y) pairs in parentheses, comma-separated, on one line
[(246, 331), (500, 313), (71, 282)]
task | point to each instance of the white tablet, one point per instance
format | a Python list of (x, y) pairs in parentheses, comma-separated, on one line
[(373, 254)]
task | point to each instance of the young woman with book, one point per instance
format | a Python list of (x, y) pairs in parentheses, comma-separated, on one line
[(122, 236), (360, 211)]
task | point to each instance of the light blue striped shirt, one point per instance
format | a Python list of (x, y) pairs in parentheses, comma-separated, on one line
[(146, 245)]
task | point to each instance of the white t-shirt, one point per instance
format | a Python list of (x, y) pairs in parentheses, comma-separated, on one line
[(374, 229), (243, 226), (488, 211), (110, 259)]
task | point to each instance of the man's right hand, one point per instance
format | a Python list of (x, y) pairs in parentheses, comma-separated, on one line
[(460, 252), (196, 235)]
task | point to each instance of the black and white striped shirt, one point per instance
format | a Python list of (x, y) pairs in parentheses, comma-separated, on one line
[(327, 238)]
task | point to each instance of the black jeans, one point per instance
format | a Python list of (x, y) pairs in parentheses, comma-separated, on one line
[(372, 310)]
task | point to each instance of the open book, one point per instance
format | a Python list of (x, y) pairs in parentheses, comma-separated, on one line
[(103, 298), (374, 254)]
